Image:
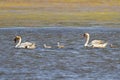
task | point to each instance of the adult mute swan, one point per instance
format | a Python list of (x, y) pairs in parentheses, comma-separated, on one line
[(94, 43), (59, 45), (28, 45)]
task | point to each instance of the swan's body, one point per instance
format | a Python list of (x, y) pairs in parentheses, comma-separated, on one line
[(94, 43), (59, 45), (45, 46), (28, 45)]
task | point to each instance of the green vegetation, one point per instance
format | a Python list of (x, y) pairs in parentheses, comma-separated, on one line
[(59, 13)]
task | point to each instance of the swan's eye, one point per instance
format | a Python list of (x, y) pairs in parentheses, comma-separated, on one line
[(15, 40), (84, 35)]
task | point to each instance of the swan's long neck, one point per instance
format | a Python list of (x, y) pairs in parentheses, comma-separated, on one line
[(19, 42), (58, 44), (87, 40)]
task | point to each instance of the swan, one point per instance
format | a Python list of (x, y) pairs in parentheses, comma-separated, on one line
[(28, 45), (59, 45), (45, 46), (94, 43), (113, 46)]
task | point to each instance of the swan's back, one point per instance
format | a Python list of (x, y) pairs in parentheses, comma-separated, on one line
[(98, 43), (28, 45)]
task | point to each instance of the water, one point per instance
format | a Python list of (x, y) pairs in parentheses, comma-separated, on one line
[(74, 62)]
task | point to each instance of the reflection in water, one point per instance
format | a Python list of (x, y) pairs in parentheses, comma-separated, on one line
[(73, 62)]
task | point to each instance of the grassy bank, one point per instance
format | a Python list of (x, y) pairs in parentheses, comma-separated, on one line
[(59, 19), (35, 13)]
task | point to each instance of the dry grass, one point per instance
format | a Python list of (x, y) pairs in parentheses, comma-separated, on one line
[(59, 19), (55, 3), (59, 12)]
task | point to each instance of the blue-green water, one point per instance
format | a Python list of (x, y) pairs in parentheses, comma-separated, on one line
[(74, 62)]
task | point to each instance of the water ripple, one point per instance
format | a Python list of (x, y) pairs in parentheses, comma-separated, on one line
[(74, 62)]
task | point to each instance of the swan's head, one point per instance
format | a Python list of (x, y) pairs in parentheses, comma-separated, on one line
[(86, 35), (44, 45), (17, 38)]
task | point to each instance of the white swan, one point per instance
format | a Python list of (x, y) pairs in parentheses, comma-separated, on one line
[(59, 45), (94, 43), (28, 45), (45, 46)]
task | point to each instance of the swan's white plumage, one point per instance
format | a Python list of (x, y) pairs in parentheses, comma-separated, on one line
[(28, 45), (94, 43)]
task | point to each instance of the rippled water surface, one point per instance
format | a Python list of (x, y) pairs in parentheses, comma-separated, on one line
[(74, 62)]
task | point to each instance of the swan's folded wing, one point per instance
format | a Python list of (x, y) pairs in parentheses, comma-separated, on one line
[(97, 42), (27, 44)]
